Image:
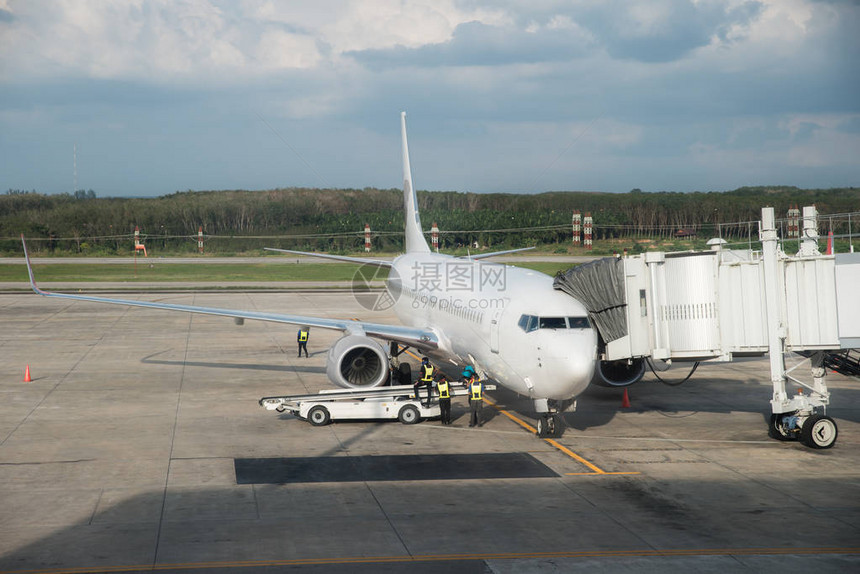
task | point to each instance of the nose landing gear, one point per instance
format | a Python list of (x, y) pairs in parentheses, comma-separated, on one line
[(549, 426), (550, 423)]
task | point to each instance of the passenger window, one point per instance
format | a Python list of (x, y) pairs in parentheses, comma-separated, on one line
[(578, 323), (553, 323)]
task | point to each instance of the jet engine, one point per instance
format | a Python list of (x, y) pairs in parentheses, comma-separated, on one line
[(621, 373), (357, 362)]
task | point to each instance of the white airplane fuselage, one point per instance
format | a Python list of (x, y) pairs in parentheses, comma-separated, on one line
[(476, 309)]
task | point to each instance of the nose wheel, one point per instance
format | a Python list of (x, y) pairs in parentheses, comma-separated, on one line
[(549, 426)]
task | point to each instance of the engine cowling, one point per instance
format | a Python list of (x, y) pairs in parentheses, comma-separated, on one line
[(357, 362), (621, 373)]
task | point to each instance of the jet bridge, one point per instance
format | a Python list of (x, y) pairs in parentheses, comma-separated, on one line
[(723, 304)]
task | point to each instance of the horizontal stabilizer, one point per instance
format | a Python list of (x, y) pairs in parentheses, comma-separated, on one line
[(495, 253), (360, 260)]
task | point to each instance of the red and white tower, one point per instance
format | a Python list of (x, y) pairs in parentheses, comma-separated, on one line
[(200, 239), (434, 236), (586, 231), (367, 237), (577, 227), (793, 221)]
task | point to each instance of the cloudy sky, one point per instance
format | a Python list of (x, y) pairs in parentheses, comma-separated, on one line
[(600, 95)]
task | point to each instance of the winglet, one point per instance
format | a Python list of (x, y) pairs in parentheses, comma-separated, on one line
[(30, 268)]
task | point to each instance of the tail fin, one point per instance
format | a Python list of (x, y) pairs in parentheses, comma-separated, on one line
[(415, 242)]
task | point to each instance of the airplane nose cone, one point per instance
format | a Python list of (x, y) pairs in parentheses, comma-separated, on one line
[(567, 378), (567, 366)]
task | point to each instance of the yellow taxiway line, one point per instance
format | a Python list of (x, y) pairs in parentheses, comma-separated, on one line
[(595, 470)]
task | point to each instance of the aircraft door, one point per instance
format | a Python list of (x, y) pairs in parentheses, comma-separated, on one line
[(495, 323)]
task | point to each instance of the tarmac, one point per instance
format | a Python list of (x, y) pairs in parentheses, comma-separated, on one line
[(139, 445)]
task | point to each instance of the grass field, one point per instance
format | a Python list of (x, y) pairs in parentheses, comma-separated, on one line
[(208, 272)]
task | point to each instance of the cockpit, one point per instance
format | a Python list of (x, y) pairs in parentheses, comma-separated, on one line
[(529, 323)]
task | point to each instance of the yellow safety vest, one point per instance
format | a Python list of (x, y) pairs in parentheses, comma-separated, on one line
[(443, 390), (428, 373), (303, 336), (476, 388)]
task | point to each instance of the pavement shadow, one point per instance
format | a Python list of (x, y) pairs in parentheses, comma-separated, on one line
[(148, 360)]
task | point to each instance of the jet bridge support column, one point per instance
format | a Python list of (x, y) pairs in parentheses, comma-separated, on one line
[(775, 324), (793, 417)]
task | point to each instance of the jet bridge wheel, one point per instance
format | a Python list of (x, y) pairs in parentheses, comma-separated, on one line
[(818, 431), (319, 416), (776, 430)]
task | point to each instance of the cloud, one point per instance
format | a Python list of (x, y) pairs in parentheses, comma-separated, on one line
[(674, 91), (206, 40), (478, 44), (665, 30), (644, 31), (155, 41)]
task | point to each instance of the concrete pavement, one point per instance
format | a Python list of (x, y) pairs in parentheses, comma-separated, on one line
[(119, 456)]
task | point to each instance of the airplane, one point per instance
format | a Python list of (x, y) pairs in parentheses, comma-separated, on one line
[(507, 322)]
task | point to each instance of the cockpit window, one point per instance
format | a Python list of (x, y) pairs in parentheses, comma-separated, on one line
[(529, 323), (523, 323), (553, 323)]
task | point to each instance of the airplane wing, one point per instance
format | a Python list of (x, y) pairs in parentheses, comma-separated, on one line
[(362, 260), (421, 338), (495, 253)]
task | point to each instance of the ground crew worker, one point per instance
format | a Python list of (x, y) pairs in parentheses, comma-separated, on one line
[(426, 380), (444, 399), (476, 396), (302, 338), (468, 372)]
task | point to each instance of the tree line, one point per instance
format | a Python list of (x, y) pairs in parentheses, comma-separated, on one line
[(334, 219)]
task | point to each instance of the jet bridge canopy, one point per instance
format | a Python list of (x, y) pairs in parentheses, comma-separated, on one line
[(599, 285), (711, 305)]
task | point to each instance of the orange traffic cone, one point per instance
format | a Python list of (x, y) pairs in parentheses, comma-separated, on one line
[(27, 378), (625, 400)]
